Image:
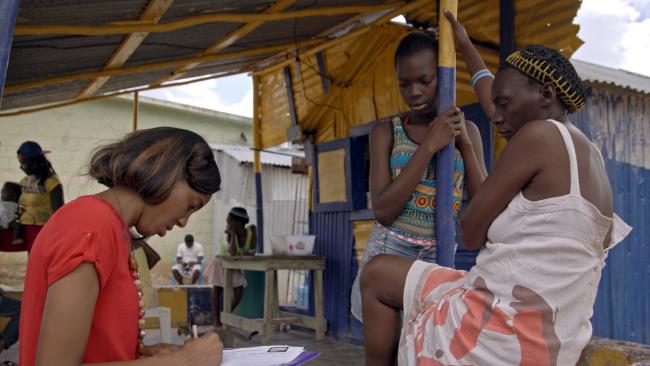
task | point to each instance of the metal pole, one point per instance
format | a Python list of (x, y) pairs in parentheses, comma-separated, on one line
[(8, 12), (506, 28), (136, 107), (445, 230), (257, 144)]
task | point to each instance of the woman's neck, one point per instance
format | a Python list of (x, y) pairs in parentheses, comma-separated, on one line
[(126, 202), (421, 119)]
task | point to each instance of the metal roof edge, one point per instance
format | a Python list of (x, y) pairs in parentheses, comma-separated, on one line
[(189, 108), (602, 74)]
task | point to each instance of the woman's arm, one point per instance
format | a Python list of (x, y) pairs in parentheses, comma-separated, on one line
[(471, 148), (56, 197), (521, 160), (474, 64), (67, 318), (390, 196), (253, 249)]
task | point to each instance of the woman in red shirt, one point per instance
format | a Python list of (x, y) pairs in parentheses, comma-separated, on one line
[(82, 301)]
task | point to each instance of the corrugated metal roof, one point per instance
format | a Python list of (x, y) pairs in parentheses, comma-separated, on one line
[(272, 156), (362, 74), (605, 75), (39, 57)]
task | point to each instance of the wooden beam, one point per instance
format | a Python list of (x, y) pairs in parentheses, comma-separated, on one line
[(154, 11), (115, 94), (136, 109), (228, 40), (139, 26), (155, 66)]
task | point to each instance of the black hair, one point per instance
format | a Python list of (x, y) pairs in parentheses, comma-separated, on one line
[(239, 214), (11, 191), (544, 64), (189, 238), (415, 42), (151, 161), (42, 168)]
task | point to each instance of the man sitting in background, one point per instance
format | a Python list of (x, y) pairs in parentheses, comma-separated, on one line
[(188, 258)]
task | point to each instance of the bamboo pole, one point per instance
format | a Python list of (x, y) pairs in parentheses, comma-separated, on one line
[(257, 167), (444, 217), (149, 27)]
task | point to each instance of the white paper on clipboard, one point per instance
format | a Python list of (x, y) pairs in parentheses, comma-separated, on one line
[(260, 356)]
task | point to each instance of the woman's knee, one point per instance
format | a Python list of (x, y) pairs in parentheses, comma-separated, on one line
[(373, 270)]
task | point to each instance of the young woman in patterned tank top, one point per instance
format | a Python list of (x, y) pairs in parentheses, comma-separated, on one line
[(402, 161)]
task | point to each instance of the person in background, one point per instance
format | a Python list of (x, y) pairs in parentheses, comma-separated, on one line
[(9, 307), (240, 240), (9, 211), (42, 192), (83, 300), (189, 257)]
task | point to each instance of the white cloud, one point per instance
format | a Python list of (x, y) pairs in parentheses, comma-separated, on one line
[(207, 94), (615, 34), (636, 46)]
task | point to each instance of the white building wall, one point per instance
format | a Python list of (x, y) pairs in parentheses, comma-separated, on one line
[(71, 134)]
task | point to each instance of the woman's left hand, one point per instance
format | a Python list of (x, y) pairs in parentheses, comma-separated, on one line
[(460, 130), (160, 349)]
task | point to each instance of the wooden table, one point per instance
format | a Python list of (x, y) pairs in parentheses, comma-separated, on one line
[(272, 314)]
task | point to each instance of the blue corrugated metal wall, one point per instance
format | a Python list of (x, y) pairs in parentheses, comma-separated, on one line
[(622, 308), (618, 122), (334, 239)]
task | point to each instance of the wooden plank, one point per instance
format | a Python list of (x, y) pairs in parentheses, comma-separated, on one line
[(268, 311), (154, 11), (158, 65), (110, 95), (240, 322), (318, 305), (134, 27)]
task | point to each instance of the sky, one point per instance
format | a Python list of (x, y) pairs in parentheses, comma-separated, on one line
[(616, 34)]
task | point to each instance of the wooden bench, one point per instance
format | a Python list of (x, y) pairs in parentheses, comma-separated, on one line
[(272, 314)]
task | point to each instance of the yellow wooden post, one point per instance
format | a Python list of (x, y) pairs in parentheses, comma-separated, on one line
[(257, 145), (136, 106)]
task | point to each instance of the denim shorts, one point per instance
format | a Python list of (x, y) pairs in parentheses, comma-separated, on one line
[(380, 241)]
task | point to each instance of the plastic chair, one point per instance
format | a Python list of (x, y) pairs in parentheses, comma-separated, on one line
[(164, 316), (172, 279)]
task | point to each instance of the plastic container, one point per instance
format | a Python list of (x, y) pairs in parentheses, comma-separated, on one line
[(292, 244), (279, 245), (300, 244)]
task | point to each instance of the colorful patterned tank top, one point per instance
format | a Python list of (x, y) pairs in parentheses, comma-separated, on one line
[(416, 222)]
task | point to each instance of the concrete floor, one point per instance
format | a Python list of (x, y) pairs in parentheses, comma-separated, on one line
[(332, 352)]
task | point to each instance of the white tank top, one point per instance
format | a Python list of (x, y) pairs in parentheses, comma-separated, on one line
[(553, 247)]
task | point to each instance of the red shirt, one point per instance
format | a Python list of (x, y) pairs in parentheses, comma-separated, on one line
[(87, 229)]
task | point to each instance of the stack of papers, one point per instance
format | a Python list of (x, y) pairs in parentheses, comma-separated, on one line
[(266, 356)]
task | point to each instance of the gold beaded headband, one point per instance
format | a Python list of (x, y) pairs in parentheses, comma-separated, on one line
[(543, 72)]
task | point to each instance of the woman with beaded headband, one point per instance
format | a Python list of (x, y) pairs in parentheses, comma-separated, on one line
[(543, 222), (83, 298)]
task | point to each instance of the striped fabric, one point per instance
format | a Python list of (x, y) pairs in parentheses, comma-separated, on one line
[(415, 223)]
